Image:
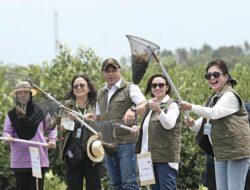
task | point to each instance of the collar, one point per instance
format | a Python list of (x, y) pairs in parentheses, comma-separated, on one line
[(165, 99), (116, 85)]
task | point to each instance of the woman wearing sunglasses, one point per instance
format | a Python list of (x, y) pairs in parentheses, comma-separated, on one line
[(160, 135), (81, 98), (223, 128)]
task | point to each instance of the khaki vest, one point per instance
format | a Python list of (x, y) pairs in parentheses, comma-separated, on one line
[(164, 145), (119, 103), (231, 135), (66, 135)]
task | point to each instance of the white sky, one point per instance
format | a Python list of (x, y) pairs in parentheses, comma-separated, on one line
[(27, 29)]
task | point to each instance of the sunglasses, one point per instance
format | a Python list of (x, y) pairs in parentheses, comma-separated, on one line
[(215, 74), (78, 85), (160, 85)]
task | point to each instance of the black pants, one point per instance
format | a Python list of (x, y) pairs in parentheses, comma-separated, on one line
[(247, 184), (85, 170), (25, 181)]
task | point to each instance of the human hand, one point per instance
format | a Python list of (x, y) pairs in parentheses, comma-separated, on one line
[(72, 116), (129, 117), (135, 130), (9, 139), (51, 145), (185, 105), (89, 117), (189, 122), (154, 106)]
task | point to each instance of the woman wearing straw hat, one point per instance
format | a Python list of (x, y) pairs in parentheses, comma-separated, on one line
[(29, 122), (79, 166)]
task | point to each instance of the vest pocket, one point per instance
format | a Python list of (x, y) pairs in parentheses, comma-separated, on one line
[(223, 132), (120, 99)]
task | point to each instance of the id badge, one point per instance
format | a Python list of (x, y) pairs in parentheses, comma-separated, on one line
[(69, 125), (207, 129)]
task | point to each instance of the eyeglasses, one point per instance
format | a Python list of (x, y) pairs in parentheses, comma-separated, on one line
[(78, 85), (215, 74), (160, 85)]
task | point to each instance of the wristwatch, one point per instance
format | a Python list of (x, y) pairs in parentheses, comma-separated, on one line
[(133, 108)]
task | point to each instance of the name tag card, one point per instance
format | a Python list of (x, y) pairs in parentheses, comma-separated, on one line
[(35, 162), (145, 165), (69, 125)]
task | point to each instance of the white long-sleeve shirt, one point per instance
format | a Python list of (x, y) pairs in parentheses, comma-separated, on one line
[(168, 121), (226, 105)]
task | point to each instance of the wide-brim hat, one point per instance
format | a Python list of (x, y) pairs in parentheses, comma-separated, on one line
[(24, 85), (95, 149)]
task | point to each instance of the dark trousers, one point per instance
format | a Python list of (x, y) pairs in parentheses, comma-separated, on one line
[(247, 184), (209, 176), (165, 177), (85, 170), (25, 181)]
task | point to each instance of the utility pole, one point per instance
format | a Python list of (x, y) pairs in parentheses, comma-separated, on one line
[(56, 34)]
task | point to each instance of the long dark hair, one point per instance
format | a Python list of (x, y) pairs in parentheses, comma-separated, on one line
[(149, 84), (223, 67), (92, 91)]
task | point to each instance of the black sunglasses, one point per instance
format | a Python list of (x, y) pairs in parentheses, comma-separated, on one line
[(215, 74), (154, 85), (78, 85)]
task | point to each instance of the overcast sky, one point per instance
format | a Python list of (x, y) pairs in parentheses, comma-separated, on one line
[(27, 27)]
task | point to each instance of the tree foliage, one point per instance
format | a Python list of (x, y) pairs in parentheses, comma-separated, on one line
[(185, 67)]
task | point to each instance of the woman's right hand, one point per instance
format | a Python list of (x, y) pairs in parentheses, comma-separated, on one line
[(189, 122), (10, 139), (89, 117), (185, 105)]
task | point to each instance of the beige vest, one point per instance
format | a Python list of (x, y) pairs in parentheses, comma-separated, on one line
[(119, 103), (164, 145), (231, 134)]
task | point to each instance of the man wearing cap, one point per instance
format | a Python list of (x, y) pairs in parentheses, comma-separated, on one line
[(119, 101), (29, 122)]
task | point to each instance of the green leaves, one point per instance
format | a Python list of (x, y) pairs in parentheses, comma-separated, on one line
[(55, 77)]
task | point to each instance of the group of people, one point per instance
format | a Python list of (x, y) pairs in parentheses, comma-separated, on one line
[(222, 130)]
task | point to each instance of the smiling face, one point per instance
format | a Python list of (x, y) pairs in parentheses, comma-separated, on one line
[(216, 82), (159, 88), (80, 87), (111, 75)]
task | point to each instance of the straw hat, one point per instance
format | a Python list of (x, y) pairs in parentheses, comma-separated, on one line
[(24, 85), (95, 149)]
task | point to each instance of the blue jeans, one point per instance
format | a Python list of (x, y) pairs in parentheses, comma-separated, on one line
[(122, 168), (231, 174), (165, 177)]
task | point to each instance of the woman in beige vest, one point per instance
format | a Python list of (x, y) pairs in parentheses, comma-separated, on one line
[(223, 129), (160, 133)]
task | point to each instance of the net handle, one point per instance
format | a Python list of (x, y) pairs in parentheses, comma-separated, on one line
[(25, 141), (186, 113)]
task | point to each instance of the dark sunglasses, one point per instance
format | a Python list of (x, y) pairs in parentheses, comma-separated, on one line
[(215, 74), (78, 85), (154, 85)]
